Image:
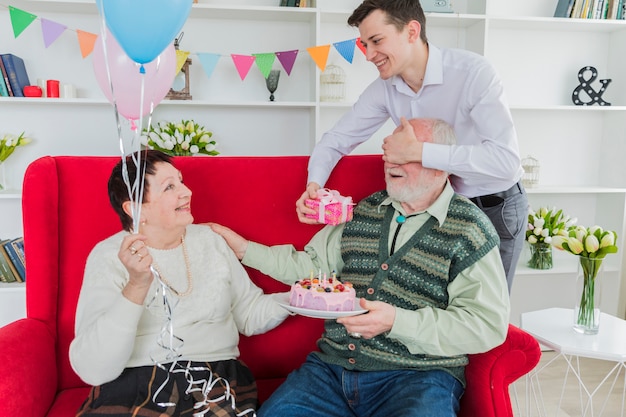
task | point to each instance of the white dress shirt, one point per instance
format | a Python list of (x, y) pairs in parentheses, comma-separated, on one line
[(461, 88)]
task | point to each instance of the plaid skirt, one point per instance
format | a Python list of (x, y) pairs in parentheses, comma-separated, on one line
[(194, 389)]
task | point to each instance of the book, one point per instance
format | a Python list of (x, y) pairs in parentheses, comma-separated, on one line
[(12, 247), (5, 77), (562, 8), (9, 271), (283, 3), (16, 71), (3, 88)]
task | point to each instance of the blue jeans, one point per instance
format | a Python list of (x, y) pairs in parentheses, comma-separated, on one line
[(320, 389)]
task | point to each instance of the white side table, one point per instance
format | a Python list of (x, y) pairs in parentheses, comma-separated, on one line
[(553, 328)]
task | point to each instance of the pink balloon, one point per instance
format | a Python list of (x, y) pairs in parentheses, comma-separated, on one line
[(126, 77)]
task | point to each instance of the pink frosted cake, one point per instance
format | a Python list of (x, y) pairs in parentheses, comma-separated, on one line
[(324, 295)]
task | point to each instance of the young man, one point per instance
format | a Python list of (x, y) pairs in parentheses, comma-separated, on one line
[(417, 79), (425, 263)]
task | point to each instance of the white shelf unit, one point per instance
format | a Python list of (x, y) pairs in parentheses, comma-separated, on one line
[(580, 148)]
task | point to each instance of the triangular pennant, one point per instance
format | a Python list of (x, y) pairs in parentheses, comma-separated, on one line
[(86, 41), (51, 31), (243, 64), (181, 57), (360, 45), (264, 62), (208, 62), (20, 20), (319, 55), (346, 49), (287, 59)]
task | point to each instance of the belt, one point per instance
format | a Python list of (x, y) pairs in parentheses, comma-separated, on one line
[(495, 199)]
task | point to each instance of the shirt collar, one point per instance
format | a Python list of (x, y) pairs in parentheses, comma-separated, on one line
[(438, 210), (433, 75)]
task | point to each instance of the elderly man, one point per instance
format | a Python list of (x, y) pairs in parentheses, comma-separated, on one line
[(426, 265)]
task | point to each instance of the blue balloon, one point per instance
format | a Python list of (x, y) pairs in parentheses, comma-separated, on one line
[(144, 28)]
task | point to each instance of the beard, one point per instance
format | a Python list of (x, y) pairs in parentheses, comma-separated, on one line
[(412, 191)]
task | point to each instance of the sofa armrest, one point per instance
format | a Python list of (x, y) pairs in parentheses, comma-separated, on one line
[(28, 380), (489, 375)]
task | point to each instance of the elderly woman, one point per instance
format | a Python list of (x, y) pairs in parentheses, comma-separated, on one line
[(160, 310)]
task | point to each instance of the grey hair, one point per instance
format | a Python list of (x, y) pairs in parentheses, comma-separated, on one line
[(443, 133)]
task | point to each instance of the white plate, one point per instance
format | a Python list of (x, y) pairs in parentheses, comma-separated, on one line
[(317, 314)]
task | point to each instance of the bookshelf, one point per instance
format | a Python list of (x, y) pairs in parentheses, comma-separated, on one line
[(580, 148)]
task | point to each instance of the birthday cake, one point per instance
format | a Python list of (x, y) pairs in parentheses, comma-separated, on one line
[(323, 294)]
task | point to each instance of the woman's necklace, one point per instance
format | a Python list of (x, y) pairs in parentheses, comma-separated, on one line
[(187, 267)]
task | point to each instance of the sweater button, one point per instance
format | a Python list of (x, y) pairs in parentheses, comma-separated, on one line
[(351, 346), (352, 361), (384, 267), (370, 291)]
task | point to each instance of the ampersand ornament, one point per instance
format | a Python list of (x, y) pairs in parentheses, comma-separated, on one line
[(584, 86)]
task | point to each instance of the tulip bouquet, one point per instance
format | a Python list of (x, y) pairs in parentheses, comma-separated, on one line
[(9, 142), (179, 139), (543, 226), (591, 245)]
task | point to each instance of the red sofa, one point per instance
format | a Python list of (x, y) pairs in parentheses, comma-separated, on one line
[(66, 212)]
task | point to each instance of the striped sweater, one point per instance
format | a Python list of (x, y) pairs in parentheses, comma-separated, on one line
[(415, 276)]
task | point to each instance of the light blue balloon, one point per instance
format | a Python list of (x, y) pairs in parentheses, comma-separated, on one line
[(144, 28)]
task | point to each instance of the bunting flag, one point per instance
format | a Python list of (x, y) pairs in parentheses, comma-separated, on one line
[(264, 62), (208, 62), (346, 49), (181, 57), (86, 41), (243, 64), (360, 45), (287, 59), (51, 31), (20, 20), (319, 55)]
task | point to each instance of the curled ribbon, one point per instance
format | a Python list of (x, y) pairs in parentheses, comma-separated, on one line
[(327, 196)]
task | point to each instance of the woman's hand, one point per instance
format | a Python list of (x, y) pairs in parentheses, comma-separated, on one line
[(137, 260), (237, 243)]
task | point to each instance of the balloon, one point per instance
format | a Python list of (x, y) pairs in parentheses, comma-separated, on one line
[(126, 78), (144, 28)]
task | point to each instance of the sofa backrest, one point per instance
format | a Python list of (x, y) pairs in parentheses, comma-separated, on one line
[(66, 212)]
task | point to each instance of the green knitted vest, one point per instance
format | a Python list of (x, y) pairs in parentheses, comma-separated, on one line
[(415, 276)]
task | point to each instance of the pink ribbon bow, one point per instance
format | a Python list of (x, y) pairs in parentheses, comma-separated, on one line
[(327, 196)]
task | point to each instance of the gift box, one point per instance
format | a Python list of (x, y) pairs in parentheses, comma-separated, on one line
[(330, 207)]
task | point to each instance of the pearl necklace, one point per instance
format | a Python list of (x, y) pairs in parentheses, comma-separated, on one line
[(188, 269)]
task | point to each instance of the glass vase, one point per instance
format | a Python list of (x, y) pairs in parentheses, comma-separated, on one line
[(3, 177), (588, 295), (540, 255)]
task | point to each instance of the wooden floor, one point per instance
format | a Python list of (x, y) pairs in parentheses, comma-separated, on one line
[(606, 403)]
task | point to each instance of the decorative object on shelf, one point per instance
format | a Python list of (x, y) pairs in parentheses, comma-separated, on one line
[(180, 86), (591, 245), (52, 87), (185, 138), (584, 86), (540, 255), (8, 143), (333, 84), (530, 178), (271, 82), (543, 225)]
